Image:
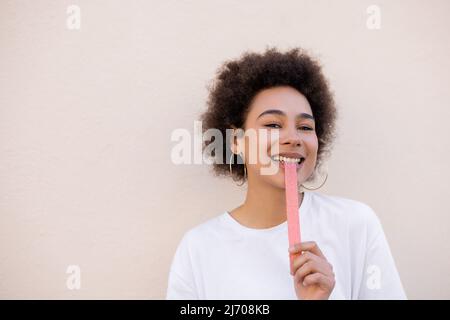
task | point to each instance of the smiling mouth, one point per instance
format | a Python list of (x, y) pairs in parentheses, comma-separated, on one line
[(283, 160)]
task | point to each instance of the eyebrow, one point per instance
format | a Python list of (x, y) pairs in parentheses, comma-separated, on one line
[(281, 113)]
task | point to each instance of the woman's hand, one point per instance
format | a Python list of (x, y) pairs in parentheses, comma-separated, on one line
[(313, 274)]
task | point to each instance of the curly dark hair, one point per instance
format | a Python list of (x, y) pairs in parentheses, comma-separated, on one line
[(238, 81)]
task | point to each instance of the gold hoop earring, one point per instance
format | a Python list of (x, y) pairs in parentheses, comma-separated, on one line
[(302, 186), (245, 171)]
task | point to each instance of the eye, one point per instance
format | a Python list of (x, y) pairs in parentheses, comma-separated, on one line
[(275, 125)]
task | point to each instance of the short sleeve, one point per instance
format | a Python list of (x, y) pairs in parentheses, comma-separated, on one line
[(381, 279), (181, 284)]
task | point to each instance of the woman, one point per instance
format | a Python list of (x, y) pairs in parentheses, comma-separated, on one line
[(244, 253)]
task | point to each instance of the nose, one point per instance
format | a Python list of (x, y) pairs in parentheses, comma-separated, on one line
[(291, 137)]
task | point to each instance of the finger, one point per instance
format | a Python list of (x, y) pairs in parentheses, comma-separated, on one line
[(305, 270), (319, 265), (306, 246), (312, 266), (318, 279), (301, 259)]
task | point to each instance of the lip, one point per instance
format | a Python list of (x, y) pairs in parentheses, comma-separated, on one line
[(291, 155), (298, 166)]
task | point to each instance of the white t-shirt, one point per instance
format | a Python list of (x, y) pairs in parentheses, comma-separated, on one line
[(222, 259)]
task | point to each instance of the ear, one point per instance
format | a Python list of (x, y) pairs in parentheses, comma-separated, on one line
[(234, 141)]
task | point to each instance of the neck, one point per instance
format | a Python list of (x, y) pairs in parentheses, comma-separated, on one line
[(264, 206)]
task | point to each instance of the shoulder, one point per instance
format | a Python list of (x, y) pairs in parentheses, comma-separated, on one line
[(202, 232), (187, 251), (360, 222), (356, 213)]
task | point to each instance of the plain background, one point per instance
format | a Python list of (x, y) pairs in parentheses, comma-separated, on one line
[(86, 118)]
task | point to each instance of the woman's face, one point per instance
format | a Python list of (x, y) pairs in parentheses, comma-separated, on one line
[(287, 111)]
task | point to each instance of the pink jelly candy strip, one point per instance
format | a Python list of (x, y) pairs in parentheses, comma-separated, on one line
[(290, 181)]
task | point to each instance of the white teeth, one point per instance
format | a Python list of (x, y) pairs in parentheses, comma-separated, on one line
[(285, 159)]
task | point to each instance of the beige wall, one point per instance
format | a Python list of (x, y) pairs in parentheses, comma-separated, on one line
[(86, 117)]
